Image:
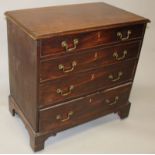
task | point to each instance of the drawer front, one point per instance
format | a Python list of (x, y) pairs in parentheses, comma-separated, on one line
[(84, 83), (66, 65), (61, 45), (75, 112)]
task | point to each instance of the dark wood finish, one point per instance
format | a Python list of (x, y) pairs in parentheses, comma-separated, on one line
[(36, 138), (51, 93), (82, 109), (87, 40), (89, 59), (124, 111), (23, 72), (69, 19), (85, 83)]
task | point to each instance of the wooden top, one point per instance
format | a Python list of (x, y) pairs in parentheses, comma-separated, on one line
[(59, 20)]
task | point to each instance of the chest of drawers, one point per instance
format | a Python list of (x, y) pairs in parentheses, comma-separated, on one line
[(71, 64)]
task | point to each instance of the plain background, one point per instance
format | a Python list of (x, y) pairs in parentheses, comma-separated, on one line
[(105, 135)]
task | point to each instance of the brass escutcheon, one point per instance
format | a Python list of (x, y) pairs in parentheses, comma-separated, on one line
[(111, 77), (65, 45), (120, 35), (112, 103), (59, 117), (116, 56), (63, 93), (62, 67)]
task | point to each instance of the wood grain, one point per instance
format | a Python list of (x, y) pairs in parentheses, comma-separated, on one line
[(48, 99), (88, 40), (58, 20), (82, 109), (23, 72), (86, 60), (85, 83)]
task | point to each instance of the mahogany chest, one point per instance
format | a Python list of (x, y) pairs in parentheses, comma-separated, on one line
[(71, 64)]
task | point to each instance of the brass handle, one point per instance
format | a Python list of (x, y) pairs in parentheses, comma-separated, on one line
[(114, 102), (115, 55), (111, 77), (65, 45), (120, 35), (62, 67), (59, 117), (62, 93)]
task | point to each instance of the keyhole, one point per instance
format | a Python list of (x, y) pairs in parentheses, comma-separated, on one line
[(90, 100), (96, 55), (99, 35), (92, 76)]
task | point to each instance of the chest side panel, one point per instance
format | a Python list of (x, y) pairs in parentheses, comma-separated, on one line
[(23, 71)]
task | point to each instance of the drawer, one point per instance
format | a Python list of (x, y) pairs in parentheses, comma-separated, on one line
[(81, 84), (61, 45), (66, 65), (75, 112)]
